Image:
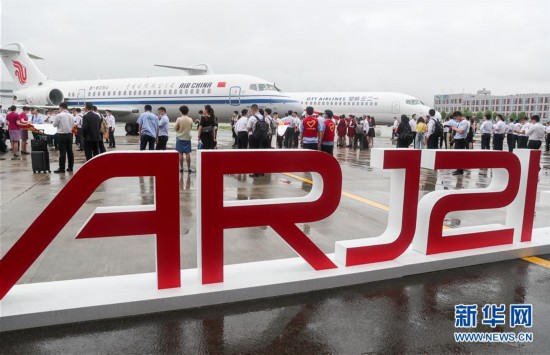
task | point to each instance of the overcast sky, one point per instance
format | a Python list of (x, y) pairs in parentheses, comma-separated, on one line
[(417, 47)]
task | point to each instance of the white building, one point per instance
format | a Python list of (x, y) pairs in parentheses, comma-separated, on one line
[(531, 104)]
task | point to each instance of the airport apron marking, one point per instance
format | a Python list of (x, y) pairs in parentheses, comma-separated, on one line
[(531, 259), (539, 261)]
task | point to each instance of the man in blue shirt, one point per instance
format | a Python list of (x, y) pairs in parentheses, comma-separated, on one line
[(460, 132), (148, 128), (162, 137)]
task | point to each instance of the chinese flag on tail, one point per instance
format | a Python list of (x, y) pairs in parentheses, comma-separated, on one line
[(221, 84)]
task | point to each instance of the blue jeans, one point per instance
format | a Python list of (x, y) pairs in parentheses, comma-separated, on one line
[(419, 142)]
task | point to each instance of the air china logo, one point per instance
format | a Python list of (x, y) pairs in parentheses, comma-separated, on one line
[(20, 72)]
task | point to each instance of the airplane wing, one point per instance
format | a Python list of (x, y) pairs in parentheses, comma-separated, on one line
[(198, 69)]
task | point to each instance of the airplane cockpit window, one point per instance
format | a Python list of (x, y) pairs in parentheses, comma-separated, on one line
[(262, 87), (414, 102), (253, 87), (272, 87)]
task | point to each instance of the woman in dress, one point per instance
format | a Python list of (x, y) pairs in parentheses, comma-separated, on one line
[(207, 128)]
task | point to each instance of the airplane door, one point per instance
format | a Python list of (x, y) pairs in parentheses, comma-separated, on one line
[(395, 107), (235, 95), (81, 97)]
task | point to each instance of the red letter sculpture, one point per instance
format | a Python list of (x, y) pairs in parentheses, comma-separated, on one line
[(397, 237), (320, 203), (161, 219)]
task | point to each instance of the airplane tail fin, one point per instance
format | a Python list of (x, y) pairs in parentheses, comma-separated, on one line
[(21, 67)]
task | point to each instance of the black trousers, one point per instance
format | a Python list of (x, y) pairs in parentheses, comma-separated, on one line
[(460, 144), (65, 144), (161, 144), (327, 148), (547, 137), (280, 141), (433, 141), (498, 141), (252, 142), (296, 136), (265, 143), (511, 140), (534, 144), (358, 140), (242, 140), (145, 141), (102, 146), (289, 137), (91, 149), (522, 142), (311, 146), (112, 143), (486, 141)]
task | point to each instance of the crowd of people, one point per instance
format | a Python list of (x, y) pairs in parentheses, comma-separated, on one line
[(258, 128), (87, 129), (458, 132)]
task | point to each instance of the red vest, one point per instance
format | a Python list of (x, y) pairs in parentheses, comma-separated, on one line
[(329, 131), (311, 125)]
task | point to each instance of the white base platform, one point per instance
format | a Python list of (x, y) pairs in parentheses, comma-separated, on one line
[(60, 302)]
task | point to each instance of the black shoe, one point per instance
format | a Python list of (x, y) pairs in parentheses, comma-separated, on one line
[(70, 170), (458, 172), (25, 153), (58, 171), (253, 175), (190, 171), (181, 170)]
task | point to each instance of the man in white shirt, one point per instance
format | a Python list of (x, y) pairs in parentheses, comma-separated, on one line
[(535, 133), (242, 131), (412, 123), (486, 130), (269, 120), (252, 119), (510, 135), (111, 125), (297, 122), (64, 122), (522, 133), (288, 121), (79, 141), (431, 134), (498, 133)]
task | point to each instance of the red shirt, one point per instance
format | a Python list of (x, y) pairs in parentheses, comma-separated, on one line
[(329, 131), (311, 127), (12, 118)]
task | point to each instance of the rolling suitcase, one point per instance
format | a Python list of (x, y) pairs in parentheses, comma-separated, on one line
[(40, 157)]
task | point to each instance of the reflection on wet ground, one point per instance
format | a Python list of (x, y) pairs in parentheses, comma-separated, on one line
[(396, 316), (409, 315)]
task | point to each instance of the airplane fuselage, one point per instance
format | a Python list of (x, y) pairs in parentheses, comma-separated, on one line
[(384, 106), (126, 97)]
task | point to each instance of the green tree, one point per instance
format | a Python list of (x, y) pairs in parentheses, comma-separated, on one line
[(467, 113), (522, 115), (514, 116), (479, 116), (444, 115)]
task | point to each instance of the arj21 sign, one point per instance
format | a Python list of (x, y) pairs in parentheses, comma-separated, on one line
[(513, 186)]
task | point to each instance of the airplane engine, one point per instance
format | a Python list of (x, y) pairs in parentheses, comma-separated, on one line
[(44, 96)]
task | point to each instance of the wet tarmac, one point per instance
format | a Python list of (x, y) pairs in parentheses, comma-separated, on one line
[(410, 315)]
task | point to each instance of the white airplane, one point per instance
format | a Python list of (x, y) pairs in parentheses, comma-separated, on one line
[(126, 97), (384, 106)]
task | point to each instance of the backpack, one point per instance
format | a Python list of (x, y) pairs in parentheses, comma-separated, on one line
[(438, 128), (261, 129)]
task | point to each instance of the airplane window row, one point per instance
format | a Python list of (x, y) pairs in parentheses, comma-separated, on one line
[(262, 87), (142, 92), (340, 103)]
